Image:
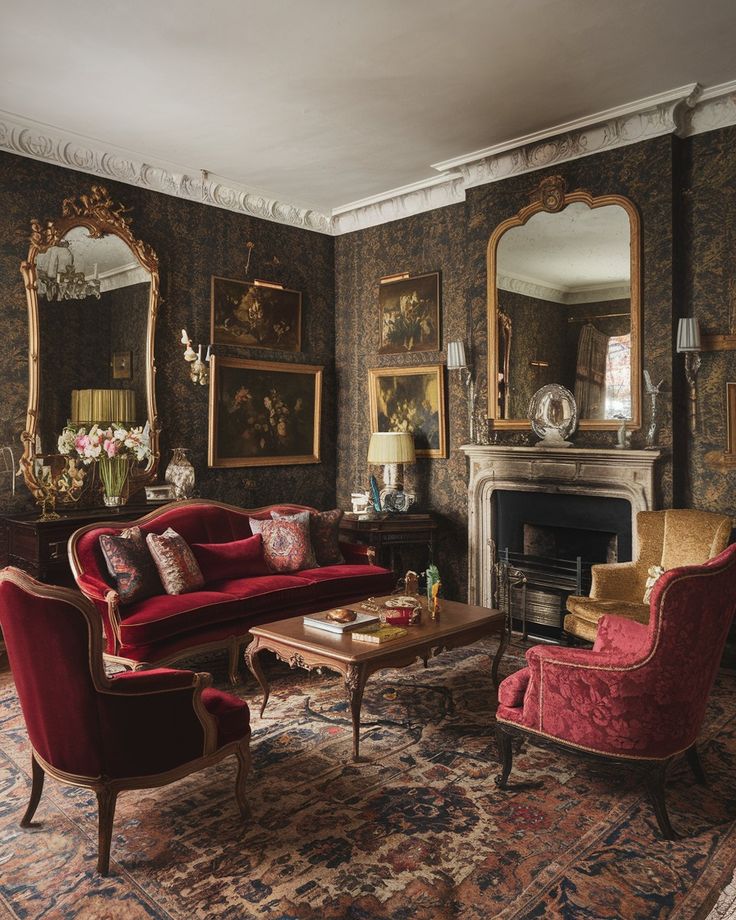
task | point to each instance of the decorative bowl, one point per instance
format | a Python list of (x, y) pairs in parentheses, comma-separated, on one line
[(341, 615)]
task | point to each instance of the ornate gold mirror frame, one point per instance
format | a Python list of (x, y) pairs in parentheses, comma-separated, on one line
[(551, 196), (101, 216)]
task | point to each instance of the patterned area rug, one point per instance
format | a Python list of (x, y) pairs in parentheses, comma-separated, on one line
[(420, 831)]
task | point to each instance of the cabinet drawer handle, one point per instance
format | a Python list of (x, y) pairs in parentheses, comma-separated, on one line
[(57, 550)]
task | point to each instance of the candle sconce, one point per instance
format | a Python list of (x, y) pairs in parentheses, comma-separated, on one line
[(198, 370)]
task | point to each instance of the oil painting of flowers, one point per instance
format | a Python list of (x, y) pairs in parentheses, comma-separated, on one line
[(410, 314), (253, 314), (410, 399), (263, 413)]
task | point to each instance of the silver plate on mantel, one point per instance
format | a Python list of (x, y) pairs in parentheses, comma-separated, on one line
[(553, 413)]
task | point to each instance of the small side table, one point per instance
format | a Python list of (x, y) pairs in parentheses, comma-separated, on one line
[(388, 532)]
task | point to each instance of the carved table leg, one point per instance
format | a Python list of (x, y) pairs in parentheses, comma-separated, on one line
[(502, 646), (355, 679), (254, 666)]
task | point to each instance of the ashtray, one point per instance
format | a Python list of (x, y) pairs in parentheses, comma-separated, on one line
[(341, 615)]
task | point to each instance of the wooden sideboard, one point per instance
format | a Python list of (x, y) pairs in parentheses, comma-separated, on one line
[(387, 533), (39, 547)]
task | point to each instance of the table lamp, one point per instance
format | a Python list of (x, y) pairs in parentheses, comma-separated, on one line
[(393, 449)]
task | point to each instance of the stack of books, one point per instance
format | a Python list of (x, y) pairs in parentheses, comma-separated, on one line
[(322, 621)]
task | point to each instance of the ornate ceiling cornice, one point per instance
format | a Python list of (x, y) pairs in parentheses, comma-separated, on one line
[(684, 112)]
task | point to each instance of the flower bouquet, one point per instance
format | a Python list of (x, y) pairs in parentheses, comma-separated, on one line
[(114, 449)]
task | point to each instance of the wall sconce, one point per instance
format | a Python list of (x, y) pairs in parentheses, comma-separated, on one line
[(457, 361), (198, 372), (688, 343)]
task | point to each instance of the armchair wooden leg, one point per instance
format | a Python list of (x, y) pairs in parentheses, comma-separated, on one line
[(655, 780), (243, 755), (106, 800), (36, 790), (503, 740), (693, 759)]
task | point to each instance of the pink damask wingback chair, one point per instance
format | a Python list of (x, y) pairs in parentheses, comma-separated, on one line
[(135, 730), (639, 695)]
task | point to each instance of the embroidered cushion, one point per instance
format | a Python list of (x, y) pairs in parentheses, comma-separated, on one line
[(131, 565), (287, 546), (177, 567), (238, 559), (324, 532)]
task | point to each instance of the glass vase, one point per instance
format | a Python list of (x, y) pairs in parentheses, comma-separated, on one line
[(180, 474), (114, 475)]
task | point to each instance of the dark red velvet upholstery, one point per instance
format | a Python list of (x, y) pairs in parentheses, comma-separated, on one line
[(641, 691), (161, 627), (238, 559), (83, 723)]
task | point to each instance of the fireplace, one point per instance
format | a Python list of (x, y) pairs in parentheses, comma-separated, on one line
[(554, 540), (570, 477)]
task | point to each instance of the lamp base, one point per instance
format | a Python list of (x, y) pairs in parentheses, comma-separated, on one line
[(397, 500)]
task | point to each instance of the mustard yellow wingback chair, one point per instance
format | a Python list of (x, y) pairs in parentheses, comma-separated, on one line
[(667, 539)]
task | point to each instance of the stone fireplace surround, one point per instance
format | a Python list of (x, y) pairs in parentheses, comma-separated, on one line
[(601, 472)]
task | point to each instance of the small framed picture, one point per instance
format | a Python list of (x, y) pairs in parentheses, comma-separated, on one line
[(122, 365), (255, 314), (410, 399), (410, 314), (263, 413)]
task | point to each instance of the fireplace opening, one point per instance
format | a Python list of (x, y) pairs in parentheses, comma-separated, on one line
[(552, 541)]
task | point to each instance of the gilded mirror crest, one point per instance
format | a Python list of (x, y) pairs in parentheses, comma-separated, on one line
[(92, 290), (564, 275)]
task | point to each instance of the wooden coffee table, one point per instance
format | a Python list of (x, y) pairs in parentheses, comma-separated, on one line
[(307, 647)]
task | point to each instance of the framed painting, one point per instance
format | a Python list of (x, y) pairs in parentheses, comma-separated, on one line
[(263, 413), (122, 365), (410, 399), (410, 314), (255, 314)]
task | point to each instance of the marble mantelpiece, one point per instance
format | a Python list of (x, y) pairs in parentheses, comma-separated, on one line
[(601, 472)]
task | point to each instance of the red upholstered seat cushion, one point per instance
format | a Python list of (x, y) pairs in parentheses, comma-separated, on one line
[(161, 617), (237, 559), (232, 715), (332, 580)]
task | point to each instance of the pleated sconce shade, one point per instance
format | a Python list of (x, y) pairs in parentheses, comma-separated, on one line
[(688, 334), (456, 359), (391, 447)]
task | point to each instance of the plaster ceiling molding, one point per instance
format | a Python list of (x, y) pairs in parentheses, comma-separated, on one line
[(539, 290), (426, 195), (629, 124), (43, 142), (715, 109)]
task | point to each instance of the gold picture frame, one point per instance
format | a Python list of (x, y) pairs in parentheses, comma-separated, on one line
[(409, 314), (413, 399), (264, 413), (255, 314)]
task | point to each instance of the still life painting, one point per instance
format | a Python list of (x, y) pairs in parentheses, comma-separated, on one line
[(410, 314), (255, 314), (263, 413), (410, 399)]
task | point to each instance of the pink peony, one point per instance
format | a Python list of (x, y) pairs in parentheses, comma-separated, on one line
[(111, 447)]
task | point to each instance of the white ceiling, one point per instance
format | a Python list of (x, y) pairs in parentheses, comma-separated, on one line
[(324, 102)]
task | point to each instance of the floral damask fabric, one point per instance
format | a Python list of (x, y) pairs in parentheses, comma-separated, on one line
[(177, 567), (287, 546), (131, 565)]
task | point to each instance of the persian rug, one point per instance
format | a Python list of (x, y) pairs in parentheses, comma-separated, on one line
[(418, 831)]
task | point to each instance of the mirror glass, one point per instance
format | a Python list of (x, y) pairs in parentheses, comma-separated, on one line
[(564, 313), (93, 299)]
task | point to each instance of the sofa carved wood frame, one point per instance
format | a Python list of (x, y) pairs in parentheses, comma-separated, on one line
[(233, 644), (107, 789)]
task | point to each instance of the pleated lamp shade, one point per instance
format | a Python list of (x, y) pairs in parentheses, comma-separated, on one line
[(456, 359), (391, 447), (688, 334)]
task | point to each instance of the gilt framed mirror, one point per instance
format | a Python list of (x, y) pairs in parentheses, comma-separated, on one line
[(92, 291), (564, 275)]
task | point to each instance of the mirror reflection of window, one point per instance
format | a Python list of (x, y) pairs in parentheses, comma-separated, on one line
[(618, 377)]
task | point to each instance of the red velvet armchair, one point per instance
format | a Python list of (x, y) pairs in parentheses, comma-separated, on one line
[(135, 730), (639, 695)]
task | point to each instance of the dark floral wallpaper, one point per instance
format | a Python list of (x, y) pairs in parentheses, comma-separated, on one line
[(709, 292), (193, 242)]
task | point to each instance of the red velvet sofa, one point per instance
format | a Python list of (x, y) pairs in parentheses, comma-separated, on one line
[(164, 628)]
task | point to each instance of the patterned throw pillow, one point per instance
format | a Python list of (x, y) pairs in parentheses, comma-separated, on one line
[(177, 567), (287, 546), (131, 565), (324, 530)]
